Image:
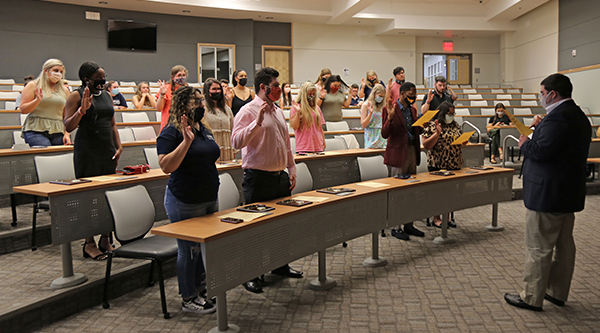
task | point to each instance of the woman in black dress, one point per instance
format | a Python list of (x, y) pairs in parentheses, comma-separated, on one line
[(97, 145)]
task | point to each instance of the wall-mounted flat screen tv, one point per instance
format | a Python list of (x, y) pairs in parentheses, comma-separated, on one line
[(131, 35)]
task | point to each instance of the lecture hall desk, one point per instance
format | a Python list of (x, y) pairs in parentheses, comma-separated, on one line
[(235, 253)]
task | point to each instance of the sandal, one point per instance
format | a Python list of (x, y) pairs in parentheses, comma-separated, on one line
[(99, 257), (493, 160), (103, 250)]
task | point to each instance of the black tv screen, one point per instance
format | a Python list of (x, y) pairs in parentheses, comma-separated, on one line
[(131, 35)]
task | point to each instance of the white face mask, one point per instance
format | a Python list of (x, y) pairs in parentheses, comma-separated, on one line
[(55, 76), (378, 99), (543, 99), (500, 114), (449, 119)]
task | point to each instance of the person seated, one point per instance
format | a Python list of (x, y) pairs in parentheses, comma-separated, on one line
[(119, 101), (441, 153), (307, 121), (26, 80), (499, 119), (142, 98), (356, 101)]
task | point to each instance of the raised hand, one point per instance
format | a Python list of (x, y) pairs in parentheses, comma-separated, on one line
[(390, 82), (86, 101), (438, 126), (362, 81), (38, 93), (162, 86), (261, 113), (323, 93), (188, 134), (430, 96)]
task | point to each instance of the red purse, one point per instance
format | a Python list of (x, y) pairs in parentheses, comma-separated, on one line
[(134, 169)]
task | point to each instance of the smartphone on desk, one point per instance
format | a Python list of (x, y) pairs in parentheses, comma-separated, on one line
[(232, 220)]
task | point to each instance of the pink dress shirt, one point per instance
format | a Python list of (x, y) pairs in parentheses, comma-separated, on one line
[(266, 147)]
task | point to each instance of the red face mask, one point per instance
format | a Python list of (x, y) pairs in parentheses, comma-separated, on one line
[(334, 90), (273, 93)]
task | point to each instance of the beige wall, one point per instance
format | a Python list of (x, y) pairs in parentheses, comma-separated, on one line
[(530, 53), (360, 50), (356, 48)]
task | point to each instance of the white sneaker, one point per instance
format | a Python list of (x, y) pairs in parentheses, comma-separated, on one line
[(198, 305)]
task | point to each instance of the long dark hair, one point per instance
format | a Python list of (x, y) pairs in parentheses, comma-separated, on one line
[(335, 78), (235, 74), (212, 105), (444, 108), (180, 105), (287, 98)]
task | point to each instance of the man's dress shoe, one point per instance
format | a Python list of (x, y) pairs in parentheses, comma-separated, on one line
[(515, 300), (287, 271)]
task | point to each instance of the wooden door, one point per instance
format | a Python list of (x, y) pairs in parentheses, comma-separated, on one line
[(280, 60), (459, 69)]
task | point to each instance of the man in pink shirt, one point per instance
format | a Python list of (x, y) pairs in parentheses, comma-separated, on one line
[(260, 131)]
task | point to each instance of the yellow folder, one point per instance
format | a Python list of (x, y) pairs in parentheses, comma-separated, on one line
[(520, 126), (425, 118), (463, 138)]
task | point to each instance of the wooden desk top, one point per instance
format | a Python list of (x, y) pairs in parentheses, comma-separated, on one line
[(10, 152), (501, 127), (209, 227), (594, 160)]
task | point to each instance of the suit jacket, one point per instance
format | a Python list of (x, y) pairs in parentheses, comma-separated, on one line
[(397, 137), (554, 171)]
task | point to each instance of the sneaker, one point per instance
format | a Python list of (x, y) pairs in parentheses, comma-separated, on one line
[(198, 305), (411, 230), (400, 234)]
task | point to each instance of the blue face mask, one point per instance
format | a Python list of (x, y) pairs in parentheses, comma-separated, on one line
[(378, 99), (115, 91)]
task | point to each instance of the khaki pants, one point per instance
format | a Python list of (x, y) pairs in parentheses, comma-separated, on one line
[(549, 256)]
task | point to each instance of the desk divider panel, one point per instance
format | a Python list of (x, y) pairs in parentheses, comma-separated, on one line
[(17, 170), (278, 242), (418, 202), (84, 214)]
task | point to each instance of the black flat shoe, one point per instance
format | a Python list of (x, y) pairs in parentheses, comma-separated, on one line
[(411, 230), (452, 224), (253, 286), (437, 225), (288, 272), (400, 234), (554, 301), (515, 300)]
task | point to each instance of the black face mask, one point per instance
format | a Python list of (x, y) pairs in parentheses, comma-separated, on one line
[(243, 81), (215, 96), (409, 100), (323, 79), (373, 81), (97, 84), (197, 114), (399, 82)]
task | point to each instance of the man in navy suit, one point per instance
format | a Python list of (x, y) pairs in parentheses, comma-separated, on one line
[(554, 173)]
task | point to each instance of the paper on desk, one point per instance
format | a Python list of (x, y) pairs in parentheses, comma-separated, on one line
[(462, 138), (520, 126), (247, 217), (425, 118), (373, 184), (308, 198)]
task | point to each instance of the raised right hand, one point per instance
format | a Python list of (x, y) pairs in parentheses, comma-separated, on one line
[(362, 82), (261, 113), (86, 101), (162, 86), (188, 135), (38, 93), (390, 82), (430, 96), (323, 93), (438, 126)]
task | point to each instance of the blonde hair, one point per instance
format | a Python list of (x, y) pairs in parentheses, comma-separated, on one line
[(371, 73), (306, 111), (43, 80), (378, 89), (138, 93)]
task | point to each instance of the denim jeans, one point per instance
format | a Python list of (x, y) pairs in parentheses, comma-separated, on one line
[(43, 138), (190, 268)]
